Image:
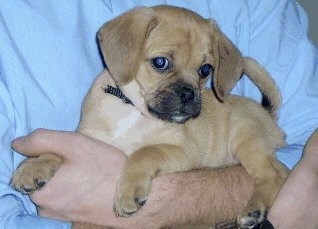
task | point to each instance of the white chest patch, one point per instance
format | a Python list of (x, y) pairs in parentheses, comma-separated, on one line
[(124, 124)]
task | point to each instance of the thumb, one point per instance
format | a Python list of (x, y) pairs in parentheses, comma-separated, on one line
[(42, 141)]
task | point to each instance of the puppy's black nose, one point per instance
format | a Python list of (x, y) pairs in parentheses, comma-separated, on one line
[(186, 93)]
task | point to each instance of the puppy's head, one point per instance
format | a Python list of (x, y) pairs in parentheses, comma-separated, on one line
[(169, 53)]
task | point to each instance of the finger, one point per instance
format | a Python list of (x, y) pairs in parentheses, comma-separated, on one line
[(43, 141)]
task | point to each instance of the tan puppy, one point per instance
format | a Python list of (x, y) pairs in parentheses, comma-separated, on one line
[(161, 59)]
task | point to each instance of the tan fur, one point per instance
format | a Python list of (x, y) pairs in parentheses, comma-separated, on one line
[(229, 129)]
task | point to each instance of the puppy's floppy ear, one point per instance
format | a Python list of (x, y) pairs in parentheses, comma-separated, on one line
[(122, 42), (228, 62)]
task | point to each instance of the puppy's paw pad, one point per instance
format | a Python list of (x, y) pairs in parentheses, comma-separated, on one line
[(126, 206), (40, 183), (129, 199), (29, 186), (251, 220), (141, 202), (126, 212), (24, 189), (32, 175)]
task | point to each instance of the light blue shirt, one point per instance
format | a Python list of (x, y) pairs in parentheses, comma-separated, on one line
[(49, 58)]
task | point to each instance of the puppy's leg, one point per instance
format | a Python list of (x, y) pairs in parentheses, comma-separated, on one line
[(142, 166), (268, 174), (33, 173)]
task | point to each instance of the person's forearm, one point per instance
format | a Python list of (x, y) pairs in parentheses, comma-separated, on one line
[(298, 198), (205, 196)]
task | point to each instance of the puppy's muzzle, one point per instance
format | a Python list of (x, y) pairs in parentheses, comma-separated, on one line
[(176, 103)]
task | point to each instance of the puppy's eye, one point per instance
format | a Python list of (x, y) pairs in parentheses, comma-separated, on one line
[(160, 64), (205, 70)]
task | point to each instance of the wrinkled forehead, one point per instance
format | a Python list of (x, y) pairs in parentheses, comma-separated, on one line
[(180, 34)]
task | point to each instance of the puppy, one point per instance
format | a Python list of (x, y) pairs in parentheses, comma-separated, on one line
[(159, 60)]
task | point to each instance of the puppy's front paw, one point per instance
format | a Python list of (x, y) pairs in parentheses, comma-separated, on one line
[(33, 173), (253, 214), (132, 194), (252, 219)]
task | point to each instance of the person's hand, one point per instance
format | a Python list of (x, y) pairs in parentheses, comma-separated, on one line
[(296, 205), (83, 187)]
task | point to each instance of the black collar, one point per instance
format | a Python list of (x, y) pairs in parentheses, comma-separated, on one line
[(118, 93)]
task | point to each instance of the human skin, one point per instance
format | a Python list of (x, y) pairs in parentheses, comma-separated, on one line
[(296, 205), (209, 195)]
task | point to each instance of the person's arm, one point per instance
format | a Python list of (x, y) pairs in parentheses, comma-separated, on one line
[(205, 195), (210, 195), (296, 205)]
